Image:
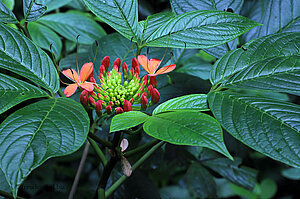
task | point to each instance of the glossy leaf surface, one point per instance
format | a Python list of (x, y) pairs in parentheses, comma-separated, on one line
[(14, 91), (268, 126), (37, 132), (187, 128), (197, 102), (33, 11), (6, 15), (20, 55)]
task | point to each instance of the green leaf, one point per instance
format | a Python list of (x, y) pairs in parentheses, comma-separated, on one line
[(9, 3), (14, 91), (3, 184), (127, 120), (268, 126), (200, 29), (182, 6), (197, 102), (33, 11), (270, 62), (195, 66), (122, 15), (187, 128), (20, 55), (35, 133), (291, 173), (53, 4), (232, 171), (6, 15), (174, 192), (200, 182), (268, 188), (44, 37), (70, 25), (273, 15)]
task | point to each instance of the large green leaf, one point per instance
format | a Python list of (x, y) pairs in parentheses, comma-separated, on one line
[(268, 126), (20, 55), (122, 15), (182, 6), (187, 128), (200, 29), (197, 102), (270, 62), (33, 11), (44, 37), (70, 25), (232, 171), (127, 120), (3, 184), (53, 4), (14, 91), (6, 15), (35, 133), (275, 15), (9, 3)]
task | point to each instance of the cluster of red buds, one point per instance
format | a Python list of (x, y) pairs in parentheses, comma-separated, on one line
[(118, 91)]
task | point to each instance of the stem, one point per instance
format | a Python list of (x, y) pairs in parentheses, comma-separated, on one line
[(141, 148), (98, 151), (134, 167), (8, 195), (79, 170), (100, 141), (60, 93)]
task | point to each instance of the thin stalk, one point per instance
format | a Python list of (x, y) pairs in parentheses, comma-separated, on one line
[(98, 151), (134, 167), (79, 170), (60, 93), (8, 195), (100, 141), (141, 148)]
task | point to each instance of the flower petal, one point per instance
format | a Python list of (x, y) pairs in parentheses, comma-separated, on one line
[(143, 60), (153, 65), (72, 74), (86, 71), (87, 86), (70, 90), (165, 69)]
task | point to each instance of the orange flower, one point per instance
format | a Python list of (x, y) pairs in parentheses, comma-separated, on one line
[(85, 72), (151, 65)]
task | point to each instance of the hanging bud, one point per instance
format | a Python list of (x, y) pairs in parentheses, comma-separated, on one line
[(134, 63), (127, 106), (124, 144), (119, 110), (126, 167), (131, 100), (153, 81), (92, 79), (108, 109), (84, 97), (99, 107), (125, 70), (92, 101), (102, 70), (105, 62), (149, 90), (117, 62), (144, 100), (155, 96)]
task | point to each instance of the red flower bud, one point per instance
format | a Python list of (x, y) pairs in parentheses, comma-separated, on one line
[(124, 68), (117, 62), (84, 97), (131, 73), (127, 106), (119, 110), (134, 63), (144, 100), (131, 100), (153, 81), (145, 80), (141, 89), (99, 107), (108, 109), (108, 74), (102, 70), (149, 90), (155, 96), (105, 62), (115, 68), (137, 70), (92, 79), (110, 103), (92, 101)]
